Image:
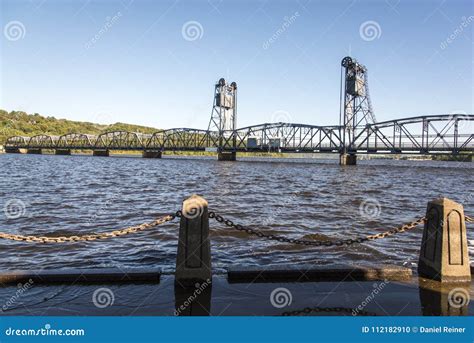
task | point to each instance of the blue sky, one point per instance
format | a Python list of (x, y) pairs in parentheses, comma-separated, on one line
[(129, 61)]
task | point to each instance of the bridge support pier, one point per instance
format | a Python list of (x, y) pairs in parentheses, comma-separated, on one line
[(227, 156), (347, 159), (151, 154), (443, 255), (62, 152), (12, 151), (104, 153), (34, 151)]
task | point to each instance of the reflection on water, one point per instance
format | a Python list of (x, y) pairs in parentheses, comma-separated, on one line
[(441, 299), (68, 195)]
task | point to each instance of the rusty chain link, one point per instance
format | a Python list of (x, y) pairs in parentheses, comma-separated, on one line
[(317, 243), (220, 219), (91, 237)]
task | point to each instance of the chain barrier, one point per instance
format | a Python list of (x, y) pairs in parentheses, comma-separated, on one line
[(220, 219), (92, 237), (317, 243)]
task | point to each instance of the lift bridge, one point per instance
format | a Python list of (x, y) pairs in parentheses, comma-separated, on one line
[(357, 133)]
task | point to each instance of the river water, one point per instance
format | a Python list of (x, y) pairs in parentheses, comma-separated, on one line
[(298, 198)]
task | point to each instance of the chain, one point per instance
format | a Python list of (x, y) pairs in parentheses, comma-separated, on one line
[(92, 237), (317, 243), (220, 219)]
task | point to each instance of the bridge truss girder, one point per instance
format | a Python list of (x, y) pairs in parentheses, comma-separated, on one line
[(424, 135)]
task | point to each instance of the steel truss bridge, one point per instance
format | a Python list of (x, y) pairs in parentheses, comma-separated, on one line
[(435, 134), (357, 133)]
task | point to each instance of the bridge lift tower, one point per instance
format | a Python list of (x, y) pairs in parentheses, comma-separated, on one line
[(356, 107), (224, 119)]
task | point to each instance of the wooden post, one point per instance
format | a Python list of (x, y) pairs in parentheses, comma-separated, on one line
[(443, 255), (193, 261)]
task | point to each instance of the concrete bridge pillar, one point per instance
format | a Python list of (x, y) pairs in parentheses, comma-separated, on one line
[(12, 150), (227, 156), (62, 152), (347, 159), (104, 153), (151, 154), (34, 151), (443, 255)]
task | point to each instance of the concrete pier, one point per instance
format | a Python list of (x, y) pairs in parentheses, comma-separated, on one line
[(151, 154), (34, 151), (347, 159), (444, 255), (12, 150), (227, 156), (81, 276), (103, 153), (62, 152), (310, 273)]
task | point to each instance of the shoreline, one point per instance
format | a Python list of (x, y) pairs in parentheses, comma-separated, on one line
[(280, 155)]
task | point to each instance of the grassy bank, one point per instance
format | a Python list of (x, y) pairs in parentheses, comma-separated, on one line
[(18, 123)]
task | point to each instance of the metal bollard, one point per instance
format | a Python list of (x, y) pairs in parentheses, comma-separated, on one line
[(193, 261), (443, 255)]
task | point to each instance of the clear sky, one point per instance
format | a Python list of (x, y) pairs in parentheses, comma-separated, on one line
[(155, 62)]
